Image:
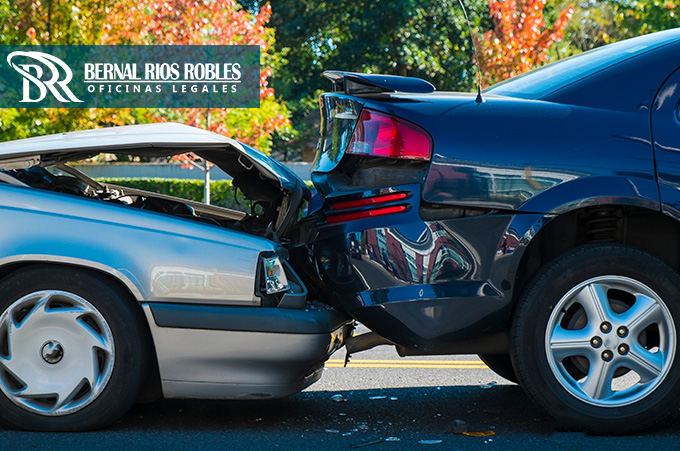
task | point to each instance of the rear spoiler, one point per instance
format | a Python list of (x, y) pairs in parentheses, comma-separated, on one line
[(355, 83)]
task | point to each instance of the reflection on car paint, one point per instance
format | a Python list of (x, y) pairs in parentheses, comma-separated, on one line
[(494, 186), (187, 282), (337, 123), (435, 257)]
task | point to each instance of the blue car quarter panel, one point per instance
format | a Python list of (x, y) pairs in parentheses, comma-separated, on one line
[(508, 152), (510, 162), (666, 130)]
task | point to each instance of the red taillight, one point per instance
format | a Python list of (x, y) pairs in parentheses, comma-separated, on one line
[(373, 201), (367, 201), (381, 135), (366, 214)]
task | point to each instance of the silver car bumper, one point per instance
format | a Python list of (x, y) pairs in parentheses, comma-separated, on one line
[(221, 352)]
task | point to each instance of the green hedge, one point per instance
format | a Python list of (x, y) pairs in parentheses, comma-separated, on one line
[(221, 191)]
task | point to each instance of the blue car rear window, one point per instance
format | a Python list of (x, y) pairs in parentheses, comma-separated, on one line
[(545, 80)]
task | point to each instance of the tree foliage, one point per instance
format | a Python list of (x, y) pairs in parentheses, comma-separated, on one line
[(178, 22), (599, 22), (24, 22), (189, 22), (519, 39), (641, 17), (57, 22), (417, 38)]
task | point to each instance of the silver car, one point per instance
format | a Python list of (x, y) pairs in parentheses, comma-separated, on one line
[(109, 294)]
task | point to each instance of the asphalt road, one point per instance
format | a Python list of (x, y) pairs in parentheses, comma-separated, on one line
[(381, 401)]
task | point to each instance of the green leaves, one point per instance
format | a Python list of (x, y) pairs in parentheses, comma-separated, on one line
[(402, 37), (180, 22), (520, 38)]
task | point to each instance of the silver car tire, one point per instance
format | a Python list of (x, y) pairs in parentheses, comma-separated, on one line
[(73, 350), (594, 339)]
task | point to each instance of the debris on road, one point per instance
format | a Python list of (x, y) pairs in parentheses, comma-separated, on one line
[(375, 442), (430, 442), (458, 427), (479, 434), (338, 398), (368, 443)]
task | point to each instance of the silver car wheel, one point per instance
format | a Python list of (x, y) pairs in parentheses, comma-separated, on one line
[(608, 352), (56, 353)]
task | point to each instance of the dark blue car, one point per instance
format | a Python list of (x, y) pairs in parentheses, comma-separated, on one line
[(538, 228)]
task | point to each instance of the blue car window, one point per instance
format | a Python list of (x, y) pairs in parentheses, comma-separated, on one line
[(547, 79)]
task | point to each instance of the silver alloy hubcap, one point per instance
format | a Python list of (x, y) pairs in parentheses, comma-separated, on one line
[(56, 353), (610, 341)]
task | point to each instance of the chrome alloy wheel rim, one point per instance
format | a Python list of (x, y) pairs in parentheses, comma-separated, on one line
[(610, 341), (56, 353)]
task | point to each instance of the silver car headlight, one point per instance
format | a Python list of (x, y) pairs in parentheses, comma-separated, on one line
[(275, 279)]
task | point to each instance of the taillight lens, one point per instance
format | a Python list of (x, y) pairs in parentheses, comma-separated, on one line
[(370, 201), (376, 202), (344, 217), (382, 135)]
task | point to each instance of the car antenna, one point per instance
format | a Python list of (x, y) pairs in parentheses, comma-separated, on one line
[(479, 98)]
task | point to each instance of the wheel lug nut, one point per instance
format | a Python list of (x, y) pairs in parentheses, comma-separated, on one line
[(606, 327), (596, 342), (622, 331), (607, 355), (623, 349)]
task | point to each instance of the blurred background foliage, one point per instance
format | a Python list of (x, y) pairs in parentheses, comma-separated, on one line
[(299, 39), (222, 192), (179, 22)]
